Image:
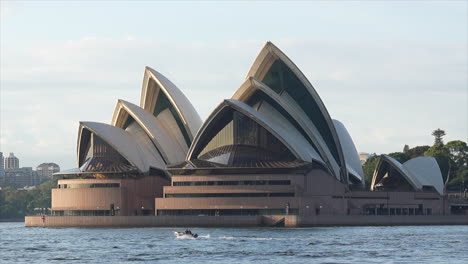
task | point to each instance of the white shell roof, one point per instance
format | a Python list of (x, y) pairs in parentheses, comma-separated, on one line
[(184, 108), (172, 150), (123, 143), (284, 131), (353, 163), (427, 171), (265, 59), (419, 172), (252, 84)]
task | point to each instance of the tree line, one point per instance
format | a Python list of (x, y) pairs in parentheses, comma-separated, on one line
[(15, 204), (452, 158)]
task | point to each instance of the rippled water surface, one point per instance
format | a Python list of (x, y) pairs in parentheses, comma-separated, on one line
[(421, 244)]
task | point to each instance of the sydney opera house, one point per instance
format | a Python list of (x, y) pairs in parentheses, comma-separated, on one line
[(271, 149)]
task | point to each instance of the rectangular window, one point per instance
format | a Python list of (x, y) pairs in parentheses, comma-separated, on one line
[(228, 212), (187, 195), (88, 185), (209, 183)]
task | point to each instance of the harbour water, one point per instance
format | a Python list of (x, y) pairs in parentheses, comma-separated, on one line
[(401, 244)]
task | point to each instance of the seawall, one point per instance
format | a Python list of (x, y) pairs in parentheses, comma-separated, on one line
[(241, 221)]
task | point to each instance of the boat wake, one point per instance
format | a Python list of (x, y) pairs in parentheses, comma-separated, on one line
[(181, 235), (185, 237), (256, 238)]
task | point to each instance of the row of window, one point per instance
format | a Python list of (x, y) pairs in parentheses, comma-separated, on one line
[(189, 195), (88, 185), (228, 212), (398, 211), (83, 212), (208, 183)]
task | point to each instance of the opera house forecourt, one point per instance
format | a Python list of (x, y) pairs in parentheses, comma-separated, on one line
[(270, 155)]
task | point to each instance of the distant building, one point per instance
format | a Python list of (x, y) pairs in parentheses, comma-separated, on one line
[(11, 162), (20, 177), (363, 156), (2, 167), (45, 171)]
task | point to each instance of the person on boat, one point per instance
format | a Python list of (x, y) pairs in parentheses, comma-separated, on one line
[(188, 232)]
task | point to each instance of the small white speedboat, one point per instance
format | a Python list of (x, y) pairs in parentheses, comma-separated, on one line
[(185, 235)]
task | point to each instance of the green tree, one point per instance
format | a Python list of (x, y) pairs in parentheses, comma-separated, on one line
[(459, 182), (441, 154), (369, 168), (417, 151), (458, 153), (400, 156), (406, 149), (438, 136), (15, 204)]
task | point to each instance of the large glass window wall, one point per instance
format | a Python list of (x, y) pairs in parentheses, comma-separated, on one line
[(200, 195), (102, 157), (229, 212), (211, 183), (281, 79), (163, 103), (236, 139), (88, 185), (83, 212), (259, 98), (390, 179)]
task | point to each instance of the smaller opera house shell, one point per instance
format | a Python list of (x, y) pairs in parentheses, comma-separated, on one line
[(271, 149)]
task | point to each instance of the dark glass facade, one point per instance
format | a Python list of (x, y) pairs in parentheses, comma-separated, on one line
[(259, 97), (210, 183), (83, 212), (236, 139), (187, 195), (102, 157), (163, 103), (390, 179), (128, 121), (280, 78), (228, 212), (88, 185)]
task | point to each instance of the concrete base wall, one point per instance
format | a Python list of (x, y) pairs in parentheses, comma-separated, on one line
[(142, 221), (240, 221), (377, 220)]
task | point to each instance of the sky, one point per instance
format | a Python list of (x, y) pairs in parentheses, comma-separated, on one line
[(392, 72)]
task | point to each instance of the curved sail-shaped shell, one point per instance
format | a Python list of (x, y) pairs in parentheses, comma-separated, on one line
[(120, 141), (353, 163), (418, 172), (427, 172), (164, 138), (284, 132), (165, 101), (252, 85), (393, 163), (276, 70)]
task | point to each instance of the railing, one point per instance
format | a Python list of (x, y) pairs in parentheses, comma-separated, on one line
[(458, 198)]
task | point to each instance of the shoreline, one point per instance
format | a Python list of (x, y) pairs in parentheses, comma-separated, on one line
[(242, 221)]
